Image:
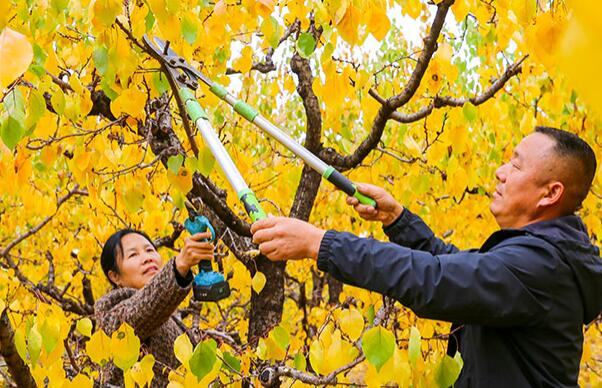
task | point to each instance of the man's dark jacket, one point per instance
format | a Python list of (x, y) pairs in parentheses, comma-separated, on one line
[(522, 298)]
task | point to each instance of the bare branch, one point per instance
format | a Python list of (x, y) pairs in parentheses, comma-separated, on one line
[(443, 101), (430, 45)]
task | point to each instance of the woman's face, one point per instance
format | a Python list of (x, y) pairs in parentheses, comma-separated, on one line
[(138, 263)]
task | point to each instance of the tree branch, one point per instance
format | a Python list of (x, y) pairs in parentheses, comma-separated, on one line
[(443, 101), (388, 106), (430, 46), (16, 367)]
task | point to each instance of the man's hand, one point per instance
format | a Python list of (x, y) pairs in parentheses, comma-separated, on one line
[(387, 208), (193, 251), (283, 238)]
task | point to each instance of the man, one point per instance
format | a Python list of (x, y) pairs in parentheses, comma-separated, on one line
[(520, 301)]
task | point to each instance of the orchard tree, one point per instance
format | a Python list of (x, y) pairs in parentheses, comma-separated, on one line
[(426, 99)]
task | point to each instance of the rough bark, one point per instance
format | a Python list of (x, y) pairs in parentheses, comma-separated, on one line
[(18, 370)]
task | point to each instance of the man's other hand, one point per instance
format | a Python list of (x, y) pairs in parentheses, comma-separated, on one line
[(387, 208), (283, 238)]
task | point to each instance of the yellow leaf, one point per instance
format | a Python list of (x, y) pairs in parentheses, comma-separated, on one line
[(258, 282), (5, 13), (349, 23), (84, 326), (244, 63), (183, 349), (99, 347), (330, 352), (264, 7), (412, 146), (16, 47), (528, 123), (412, 8), (524, 11), (182, 181), (131, 102), (351, 322), (126, 347), (79, 381), (581, 52), (138, 20), (379, 24), (105, 13), (142, 371)]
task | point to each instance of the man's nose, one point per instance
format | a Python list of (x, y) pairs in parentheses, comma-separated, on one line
[(500, 173)]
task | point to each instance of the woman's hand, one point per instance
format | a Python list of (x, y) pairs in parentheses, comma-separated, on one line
[(193, 251), (387, 208)]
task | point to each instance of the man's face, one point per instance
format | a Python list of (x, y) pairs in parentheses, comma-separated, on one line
[(522, 182)]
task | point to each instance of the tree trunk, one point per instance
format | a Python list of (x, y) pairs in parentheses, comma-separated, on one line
[(18, 370)]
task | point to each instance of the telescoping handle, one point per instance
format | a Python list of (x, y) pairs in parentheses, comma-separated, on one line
[(327, 172), (199, 117)]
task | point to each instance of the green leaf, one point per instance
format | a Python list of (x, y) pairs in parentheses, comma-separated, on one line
[(189, 29), (60, 6), (34, 344), (414, 345), (35, 110), (101, 59), (105, 85), (271, 31), (203, 358), (50, 335), (14, 104), (231, 362), (20, 344), (84, 327), (175, 162), (39, 55), (306, 44), (300, 362), (470, 112), (378, 345), (192, 163), (149, 20), (11, 132), (448, 370), (58, 101), (206, 161), (160, 82), (220, 55), (133, 199), (281, 336), (371, 315)]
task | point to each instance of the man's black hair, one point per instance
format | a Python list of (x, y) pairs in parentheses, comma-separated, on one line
[(113, 249), (570, 146)]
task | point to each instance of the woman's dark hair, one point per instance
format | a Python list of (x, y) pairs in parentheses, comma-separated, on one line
[(113, 249)]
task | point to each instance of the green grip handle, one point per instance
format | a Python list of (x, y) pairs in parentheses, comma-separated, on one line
[(364, 199), (252, 206), (193, 108), (345, 185)]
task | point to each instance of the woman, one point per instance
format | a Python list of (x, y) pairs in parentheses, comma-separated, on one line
[(146, 295)]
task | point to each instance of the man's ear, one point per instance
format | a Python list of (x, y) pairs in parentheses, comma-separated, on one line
[(114, 277), (553, 194)]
